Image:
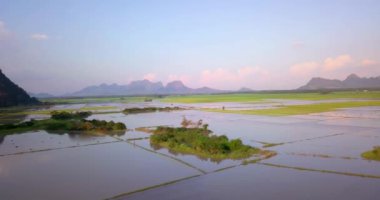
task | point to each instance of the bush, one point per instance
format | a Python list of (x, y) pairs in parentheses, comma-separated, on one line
[(149, 109), (64, 115), (66, 125), (196, 139)]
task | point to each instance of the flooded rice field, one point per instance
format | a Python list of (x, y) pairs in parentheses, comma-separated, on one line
[(318, 157)]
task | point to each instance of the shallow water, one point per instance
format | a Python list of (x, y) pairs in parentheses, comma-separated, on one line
[(42, 140), (67, 166), (265, 182), (204, 164), (89, 172)]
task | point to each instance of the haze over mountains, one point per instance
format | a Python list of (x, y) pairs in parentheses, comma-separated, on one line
[(352, 81), (146, 87), (141, 87), (13, 95)]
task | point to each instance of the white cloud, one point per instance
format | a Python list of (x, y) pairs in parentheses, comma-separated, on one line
[(332, 64), (39, 36), (303, 69), (368, 62), (335, 67), (260, 78), (255, 77)]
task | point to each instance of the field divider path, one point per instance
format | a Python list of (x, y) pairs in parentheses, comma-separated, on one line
[(320, 170), (323, 156), (126, 194), (121, 196), (162, 154), (269, 144), (58, 148)]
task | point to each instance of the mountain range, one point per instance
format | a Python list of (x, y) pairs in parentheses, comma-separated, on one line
[(13, 95), (141, 87), (352, 81)]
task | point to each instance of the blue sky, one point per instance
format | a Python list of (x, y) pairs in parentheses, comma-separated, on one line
[(63, 46)]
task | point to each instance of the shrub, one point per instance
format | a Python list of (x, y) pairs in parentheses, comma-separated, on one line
[(195, 139), (64, 115)]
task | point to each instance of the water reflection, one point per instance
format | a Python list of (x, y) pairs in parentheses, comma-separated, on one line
[(43, 140), (125, 167), (2, 137), (157, 147)]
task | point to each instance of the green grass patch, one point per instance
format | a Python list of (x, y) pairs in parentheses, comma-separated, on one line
[(256, 97), (95, 108), (150, 109), (374, 154), (300, 109), (268, 145)]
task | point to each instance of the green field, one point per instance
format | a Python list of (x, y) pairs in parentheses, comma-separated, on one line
[(255, 97), (300, 109)]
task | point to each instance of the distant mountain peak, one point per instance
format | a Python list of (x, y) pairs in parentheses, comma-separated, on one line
[(352, 76), (245, 89), (176, 84), (352, 81)]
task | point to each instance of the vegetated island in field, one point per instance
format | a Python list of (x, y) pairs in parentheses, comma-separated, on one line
[(195, 138), (66, 121), (150, 109), (374, 154)]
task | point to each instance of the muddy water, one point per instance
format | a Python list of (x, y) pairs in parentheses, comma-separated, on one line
[(326, 147)]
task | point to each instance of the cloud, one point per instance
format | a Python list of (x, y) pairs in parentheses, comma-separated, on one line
[(4, 32), (39, 36), (368, 62), (335, 67), (235, 78), (261, 78), (304, 69), (150, 76), (332, 64)]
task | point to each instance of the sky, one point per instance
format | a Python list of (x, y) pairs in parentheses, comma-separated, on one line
[(62, 46)]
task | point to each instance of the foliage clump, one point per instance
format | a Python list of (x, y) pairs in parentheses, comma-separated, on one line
[(195, 138), (85, 125), (64, 121), (374, 154), (149, 109), (64, 115)]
